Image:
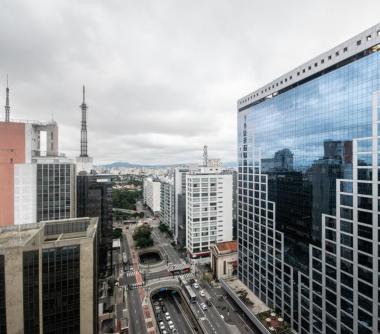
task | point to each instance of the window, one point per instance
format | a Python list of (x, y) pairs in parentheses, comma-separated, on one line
[(345, 49), (298, 73), (303, 71), (337, 53), (322, 61), (309, 68), (378, 33), (358, 42), (369, 37), (329, 57), (315, 64)]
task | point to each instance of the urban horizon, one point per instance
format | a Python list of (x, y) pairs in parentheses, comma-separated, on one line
[(162, 204)]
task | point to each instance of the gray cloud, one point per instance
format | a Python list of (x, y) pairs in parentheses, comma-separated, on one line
[(163, 76)]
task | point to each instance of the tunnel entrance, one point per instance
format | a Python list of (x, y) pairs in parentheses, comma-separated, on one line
[(151, 257)]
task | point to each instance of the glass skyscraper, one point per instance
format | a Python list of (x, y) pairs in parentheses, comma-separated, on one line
[(308, 231)]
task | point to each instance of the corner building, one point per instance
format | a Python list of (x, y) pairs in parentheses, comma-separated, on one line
[(308, 190)]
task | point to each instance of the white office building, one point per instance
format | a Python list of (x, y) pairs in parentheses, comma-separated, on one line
[(208, 209), (167, 202), (152, 194)]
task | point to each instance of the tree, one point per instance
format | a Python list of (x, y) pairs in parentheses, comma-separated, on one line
[(142, 236), (116, 233)]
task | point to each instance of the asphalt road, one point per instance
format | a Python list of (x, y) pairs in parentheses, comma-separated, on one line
[(210, 318), (136, 315), (230, 310), (177, 316), (165, 245)]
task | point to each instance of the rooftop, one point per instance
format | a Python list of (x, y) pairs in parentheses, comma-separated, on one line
[(226, 247), (53, 231), (363, 43)]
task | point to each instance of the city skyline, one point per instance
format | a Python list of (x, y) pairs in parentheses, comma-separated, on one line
[(162, 79)]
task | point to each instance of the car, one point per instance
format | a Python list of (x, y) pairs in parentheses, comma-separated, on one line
[(174, 331), (167, 313), (204, 306), (159, 317), (167, 317), (222, 316), (164, 309), (162, 326), (171, 327), (156, 303), (202, 293), (170, 322), (196, 285), (164, 332), (209, 304)]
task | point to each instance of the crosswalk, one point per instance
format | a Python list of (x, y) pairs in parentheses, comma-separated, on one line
[(187, 277)]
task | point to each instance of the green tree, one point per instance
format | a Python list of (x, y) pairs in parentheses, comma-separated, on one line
[(142, 236)]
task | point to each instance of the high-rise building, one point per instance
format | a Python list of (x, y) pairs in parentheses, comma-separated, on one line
[(308, 229), (151, 194), (36, 182), (208, 209), (48, 277), (167, 202), (180, 205), (94, 199)]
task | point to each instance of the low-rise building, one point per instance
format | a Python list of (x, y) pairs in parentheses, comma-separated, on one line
[(224, 259)]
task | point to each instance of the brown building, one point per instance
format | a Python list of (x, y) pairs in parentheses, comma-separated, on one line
[(224, 259), (48, 277)]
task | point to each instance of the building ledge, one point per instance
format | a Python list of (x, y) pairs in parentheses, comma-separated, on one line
[(255, 309)]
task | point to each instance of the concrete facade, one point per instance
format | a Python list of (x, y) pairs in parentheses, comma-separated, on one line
[(15, 242), (152, 194)]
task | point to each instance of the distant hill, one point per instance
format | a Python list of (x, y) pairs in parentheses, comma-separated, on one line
[(124, 164)]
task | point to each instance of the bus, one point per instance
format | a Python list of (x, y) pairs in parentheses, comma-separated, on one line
[(188, 290), (190, 294)]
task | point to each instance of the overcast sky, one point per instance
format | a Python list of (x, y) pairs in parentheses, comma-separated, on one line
[(162, 77)]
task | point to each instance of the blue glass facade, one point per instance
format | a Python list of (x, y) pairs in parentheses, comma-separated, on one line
[(304, 139)]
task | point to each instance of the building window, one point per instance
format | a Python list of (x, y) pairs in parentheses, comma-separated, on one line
[(329, 57), (337, 53), (298, 73), (369, 37), (315, 64), (345, 49), (358, 42), (322, 61), (60, 289), (309, 68), (31, 291)]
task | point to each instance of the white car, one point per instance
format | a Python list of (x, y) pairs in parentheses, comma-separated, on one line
[(196, 286), (162, 326), (171, 327), (164, 332), (202, 293), (167, 317), (170, 322), (204, 306)]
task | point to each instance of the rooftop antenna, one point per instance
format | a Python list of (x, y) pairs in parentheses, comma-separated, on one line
[(7, 107), (205, 156)]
